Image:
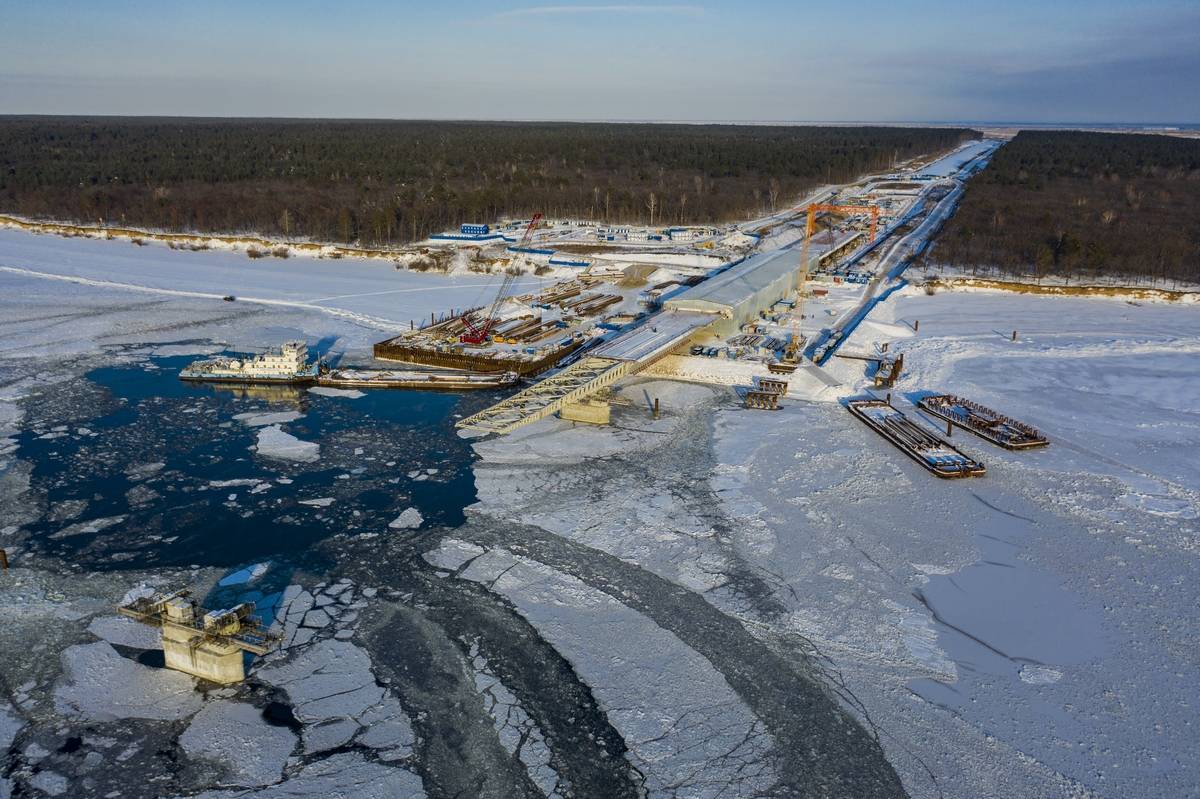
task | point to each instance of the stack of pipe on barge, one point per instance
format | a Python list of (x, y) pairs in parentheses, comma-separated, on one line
[(983, 422), (416, 378), (933, 453), (288, 365)]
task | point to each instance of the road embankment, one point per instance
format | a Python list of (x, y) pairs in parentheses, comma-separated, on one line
[(1142, 293)]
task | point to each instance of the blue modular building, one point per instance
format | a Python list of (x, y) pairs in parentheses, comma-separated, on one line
[(475, 230), (558, 260)]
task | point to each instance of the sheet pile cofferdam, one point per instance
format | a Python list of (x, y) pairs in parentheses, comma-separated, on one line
[(407, 349)]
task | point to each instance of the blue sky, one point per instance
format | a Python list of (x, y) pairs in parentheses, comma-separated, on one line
[(757, 60)]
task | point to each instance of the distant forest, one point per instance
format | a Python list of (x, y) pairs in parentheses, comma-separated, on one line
[(1081, 206), (382, 182)]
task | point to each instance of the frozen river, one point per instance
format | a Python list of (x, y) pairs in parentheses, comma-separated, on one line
[(368, 290), (716, 603)]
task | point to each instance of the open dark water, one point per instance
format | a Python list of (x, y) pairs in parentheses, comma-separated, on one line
[(145, 481)]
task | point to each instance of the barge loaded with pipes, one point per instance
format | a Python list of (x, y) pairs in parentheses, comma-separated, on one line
[(918, 443), (427, 379), (983, 422)]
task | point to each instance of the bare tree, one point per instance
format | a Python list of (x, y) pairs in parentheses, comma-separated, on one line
[(652, 203)]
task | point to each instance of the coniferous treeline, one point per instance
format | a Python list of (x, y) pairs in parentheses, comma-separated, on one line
[(1081, 206), (387, 182)]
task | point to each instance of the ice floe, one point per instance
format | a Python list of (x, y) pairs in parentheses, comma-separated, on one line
[(260, 418), (236, 737), (245, 575), (88, 526), (410, 519), (274, 443), (100, 685), (346, 393)]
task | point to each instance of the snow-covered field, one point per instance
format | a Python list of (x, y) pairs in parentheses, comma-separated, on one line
[(716, 603)]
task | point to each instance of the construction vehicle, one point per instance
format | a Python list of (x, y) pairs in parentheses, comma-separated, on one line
[(479, 333)]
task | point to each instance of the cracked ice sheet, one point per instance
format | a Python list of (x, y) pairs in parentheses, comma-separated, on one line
[(687, 731), (126, 632), (237, 738), (519, 734), (340, 776), (332, 681), (1059, 559), (662, 526), (100, 685)]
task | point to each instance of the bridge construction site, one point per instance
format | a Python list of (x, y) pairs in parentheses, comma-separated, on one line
[(751, 310), (742, 324)]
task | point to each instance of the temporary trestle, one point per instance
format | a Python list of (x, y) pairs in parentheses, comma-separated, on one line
[(577, 381), (762, 400)]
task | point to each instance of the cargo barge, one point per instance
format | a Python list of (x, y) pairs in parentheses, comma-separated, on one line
[(918, 443), (415, 379), (406, 350), (288, 365), (983, 422)]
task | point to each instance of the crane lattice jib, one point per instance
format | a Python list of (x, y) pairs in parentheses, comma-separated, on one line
[(477, 334)]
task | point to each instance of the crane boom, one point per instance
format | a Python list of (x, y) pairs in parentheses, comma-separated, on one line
[(477, 334)]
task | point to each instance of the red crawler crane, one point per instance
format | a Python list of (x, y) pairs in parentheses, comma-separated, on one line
[(478, 333)]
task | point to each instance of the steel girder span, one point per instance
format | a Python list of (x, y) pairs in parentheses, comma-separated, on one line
[(548, 396)]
